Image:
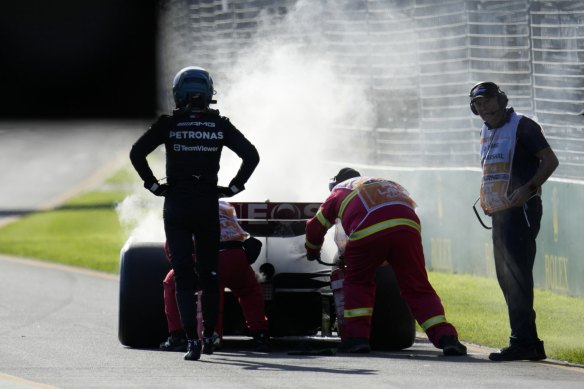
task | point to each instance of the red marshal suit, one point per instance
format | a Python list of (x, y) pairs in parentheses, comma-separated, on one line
[(235, 273), (381, 225)]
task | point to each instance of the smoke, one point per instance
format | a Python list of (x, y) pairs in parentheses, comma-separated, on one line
[(289, 95), (288, 108), (140, 215), (289, 98)]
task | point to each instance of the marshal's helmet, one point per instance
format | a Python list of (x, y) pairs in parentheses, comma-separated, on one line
[(343, 175), (193, 85)]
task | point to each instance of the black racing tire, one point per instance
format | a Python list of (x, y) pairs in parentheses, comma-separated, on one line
[(142, 322), (393, 327)]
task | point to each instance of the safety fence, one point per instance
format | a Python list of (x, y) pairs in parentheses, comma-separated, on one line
[(419, 59)]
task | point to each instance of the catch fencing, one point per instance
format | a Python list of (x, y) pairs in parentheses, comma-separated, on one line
[(419, 59)]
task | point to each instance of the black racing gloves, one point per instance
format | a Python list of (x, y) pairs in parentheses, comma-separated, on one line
[(156, 188), (224, 191)]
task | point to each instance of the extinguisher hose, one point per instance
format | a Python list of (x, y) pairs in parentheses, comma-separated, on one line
[(338, 262)]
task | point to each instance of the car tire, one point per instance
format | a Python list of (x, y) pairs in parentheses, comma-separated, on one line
[(142, 322), (393, 327)]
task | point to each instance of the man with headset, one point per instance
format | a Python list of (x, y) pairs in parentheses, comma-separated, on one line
[(193, 136), (516, 160)]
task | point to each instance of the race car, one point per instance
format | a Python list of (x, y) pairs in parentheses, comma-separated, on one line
[(298, 297)]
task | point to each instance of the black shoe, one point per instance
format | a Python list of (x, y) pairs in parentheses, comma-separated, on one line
[(262, 342), (355, 346), (451, 346), (211, 343), (174, 343), (534, 352), (193, 350)]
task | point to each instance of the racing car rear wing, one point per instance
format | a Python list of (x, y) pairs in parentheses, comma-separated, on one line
[(276, 219)]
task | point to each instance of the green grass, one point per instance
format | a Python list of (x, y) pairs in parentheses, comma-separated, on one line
[(475, 305), (86, 232)]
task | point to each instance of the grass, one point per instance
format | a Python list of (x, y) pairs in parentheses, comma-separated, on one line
[(86, 232), (475, 305), (83, 232)]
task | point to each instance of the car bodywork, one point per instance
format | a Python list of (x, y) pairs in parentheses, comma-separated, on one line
[(297, 293)]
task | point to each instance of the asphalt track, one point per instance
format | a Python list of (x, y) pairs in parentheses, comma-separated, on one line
[(43, 163), (58, 325)]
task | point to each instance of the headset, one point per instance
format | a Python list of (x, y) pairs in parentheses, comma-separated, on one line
[(487, 88)]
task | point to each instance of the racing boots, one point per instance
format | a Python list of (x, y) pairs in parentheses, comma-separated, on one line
[(451, 346), (193, 350), (175, 342), (211, 343)]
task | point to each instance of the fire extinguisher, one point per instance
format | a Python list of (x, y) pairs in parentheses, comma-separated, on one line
[(337, 279)]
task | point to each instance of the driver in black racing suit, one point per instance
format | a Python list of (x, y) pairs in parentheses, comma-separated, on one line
[(194, 136)]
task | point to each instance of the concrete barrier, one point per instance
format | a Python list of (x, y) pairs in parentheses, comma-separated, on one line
[(455, 242)]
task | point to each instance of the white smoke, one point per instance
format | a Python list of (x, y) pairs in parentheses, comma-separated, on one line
[(140, 215), (288, 107), (287, 97)]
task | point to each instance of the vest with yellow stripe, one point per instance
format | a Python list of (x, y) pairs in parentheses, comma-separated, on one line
[(368, 195)]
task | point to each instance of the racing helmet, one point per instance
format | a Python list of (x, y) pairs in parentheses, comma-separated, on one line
[(343, 174), (191, 82)]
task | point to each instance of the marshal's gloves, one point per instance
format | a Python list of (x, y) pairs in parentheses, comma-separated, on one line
[(156, 188), (312, 254), (231, 190)]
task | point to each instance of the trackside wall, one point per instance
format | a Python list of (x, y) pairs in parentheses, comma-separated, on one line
[(455, 242)]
